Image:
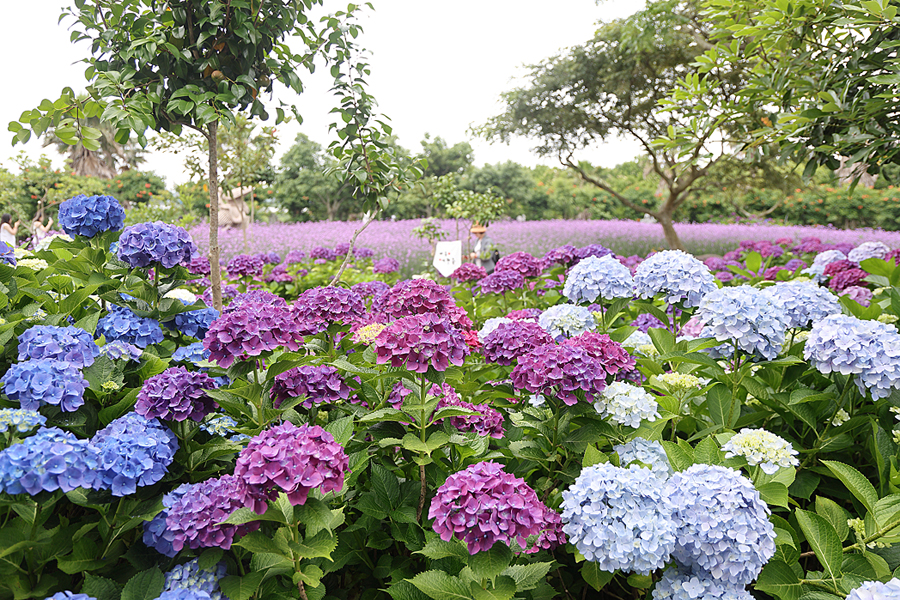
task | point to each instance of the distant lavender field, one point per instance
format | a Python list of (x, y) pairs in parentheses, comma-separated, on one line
[(395, 239)]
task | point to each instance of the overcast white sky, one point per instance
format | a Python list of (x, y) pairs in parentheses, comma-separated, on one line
[(437, 67)]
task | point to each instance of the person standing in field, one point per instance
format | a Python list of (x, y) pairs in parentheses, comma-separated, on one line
[(8, 232), (484, 251)]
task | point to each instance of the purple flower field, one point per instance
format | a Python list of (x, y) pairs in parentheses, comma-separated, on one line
[(395, 239)]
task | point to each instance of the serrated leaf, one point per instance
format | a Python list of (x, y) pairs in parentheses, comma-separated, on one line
[(774, 493), (320, 545), (341, 429), (146, 585), (856, 482), (595, 576), (678, 457), (440, 586), (592, 457), (489, 563), (834, 514), (258, 543), (779, 580), (824, 541), (528, 576), (437, 548), (315, 514), (241, 588), (101, 588)]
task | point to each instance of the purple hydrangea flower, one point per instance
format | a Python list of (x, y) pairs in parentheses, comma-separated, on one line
[(192, 353), (195, 518), (294, 257), (269, 258), (385, 266), (646, 321), (35, 383), (564, 255), (524, 313), (468, 272), (522, 262), (133, 452), (558, 372), (592, 250), (7, 254), (255, 296), (342, 249), (488, 422), (593, 279), (808, 245), (70, 344), (513, 339), (483, 505), (566, 320), (321, 253), (123, 325), (228, 291), (318, 384), (421, 341), (199, 265), (794, 264), (317, 308), (293, 460), (20, 420), (117, 349), (279, 274), (421, 296), (610, 354), (156, 535), (500, 282), (678, 276), (147, 244), (725, 276), (249, 330), (176, 394), (846, 279), (362, 253), (370, 289), (860, 295), (245, 265), (49, 460), (89, 215)]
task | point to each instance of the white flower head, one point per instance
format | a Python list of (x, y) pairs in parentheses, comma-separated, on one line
[(763, 448)]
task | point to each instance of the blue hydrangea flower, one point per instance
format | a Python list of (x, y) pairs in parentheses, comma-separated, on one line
[(89, 215), (875, 590), (192, 353), (744, 316), (194, 323), (723, 525), (146, 244), (70, 344), (133, 452), (219, 425), (677, 275), (617, 518), (156, 535), (803, 302), (7, 254), (868, 349), (490, 325), (20, 419), (50, 460), (868, 250), (122, 324), (566, 320), (67, 595), (594, 279), (183, 594), (627, 404), (191, 577), (682, 583), (647, 453), (817, 269), (34, 383), (118, 349)]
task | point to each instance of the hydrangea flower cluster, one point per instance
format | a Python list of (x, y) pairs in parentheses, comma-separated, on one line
[(228, 291), (322, 253), (245, 265), (483, 505), (595, 250), (279, 274), (35, 383), (523, 262), (361, 252), (846, 279), (70, 344), (803, 302), (524, 314), (557, 372), (490, 325), (595, 279), (7, 254), (147, 244), (745, 316), (617, 518), (117, 350), (385, 266), (20, 420), (680, 381), (610, 354), (366, 334), (421, 341), (192, 353), (645, 321), (566, 320), (551, 536), (649, 454), (293, 460), (133, 451), (294, 257), (369, 289), (468, 272), (681, 583), (156, 534), (500, 282), (564, 255), (868, 250), (876, 590), (817, 269), (199, 265), (723, 526), (49, 460), (189, 577), (269, 258), (868, 349), (627, 404), (257, 296), (860, 295), (120, 323), (176, 394), (194, 323), (763, 448), (249, 330), (318, 384), (317, 308), (678, 276), (488, 422), (67, 595), (89, 215), (512, 339), (421, 296), (195, 518)]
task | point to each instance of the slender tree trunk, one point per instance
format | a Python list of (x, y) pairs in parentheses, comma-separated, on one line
[(664, 218), (215, 275)]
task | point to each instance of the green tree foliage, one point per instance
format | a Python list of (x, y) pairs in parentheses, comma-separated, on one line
[(443, 159), (303, 188), (512, 182)]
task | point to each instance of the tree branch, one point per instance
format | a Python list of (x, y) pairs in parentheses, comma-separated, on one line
[(567, 162)]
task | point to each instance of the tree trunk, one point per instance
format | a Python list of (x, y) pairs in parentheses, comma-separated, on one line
[(664, 218), (215, 274)]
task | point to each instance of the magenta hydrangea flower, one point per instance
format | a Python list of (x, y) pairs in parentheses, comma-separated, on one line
[(468, 272), (245, 265), (483, 505), (176, 394), (319, 384), (421, 341), (362, 253), (421, 296), (294, 257), (195, 519), (250, 330), (500, 282), (525, 313), (511, 340), (846, 279), (293, 460), (610, 354), (564, 255), (279, 274), (319, 307), (488, 422), (861, 295), (558, 372), (551, 536), (342, 249), (322, 253), (368, 289), (257, 296), (199, 265), (523, 262), (386, 265)]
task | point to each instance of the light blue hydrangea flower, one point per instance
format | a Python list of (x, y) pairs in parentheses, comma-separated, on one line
[(803, 302), (617, 518), (598, 278), (183, 594), (627, 404), (49, 460), (192, 353), (746, 317), (133, 451), (67, 595), (637, 339), (34, 383), (117, 349), (650, 454), (490, 325), (677, 275), (868, 349), (817, 269), (868, 250), (190, 576), (566, 320), (723, 526), (220, 425), (681, 583), (20, 419), (122, 324), (763, 448), (875, 590)]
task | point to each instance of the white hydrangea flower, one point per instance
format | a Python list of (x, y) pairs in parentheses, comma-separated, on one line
[(182, 294), (842, 417), (45, 243), (763, 448), (680, 381), (627, 404), (35, 264), (490, 325), (21, 252)]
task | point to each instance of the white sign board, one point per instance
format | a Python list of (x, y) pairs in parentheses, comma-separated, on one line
[(447, 257)]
